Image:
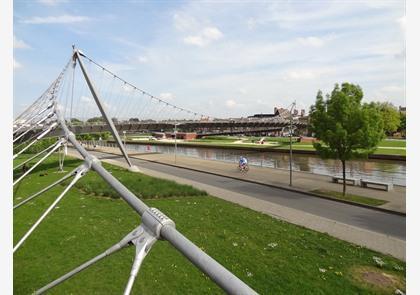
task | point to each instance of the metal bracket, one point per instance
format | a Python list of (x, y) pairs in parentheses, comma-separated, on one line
[(145, 236)]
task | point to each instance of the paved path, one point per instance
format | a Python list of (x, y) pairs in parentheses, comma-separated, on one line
[(376, 230)]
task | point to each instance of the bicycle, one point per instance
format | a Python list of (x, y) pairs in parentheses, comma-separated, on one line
[(243, 168)]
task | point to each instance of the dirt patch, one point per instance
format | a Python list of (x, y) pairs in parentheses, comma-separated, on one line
[(377, 279)]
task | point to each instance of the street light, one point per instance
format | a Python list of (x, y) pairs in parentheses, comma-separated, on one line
[(290, 142), (125, 140), (175, 133)]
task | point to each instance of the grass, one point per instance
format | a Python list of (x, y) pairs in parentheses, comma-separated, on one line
[(350, 197), (272, 256), (143, 186)]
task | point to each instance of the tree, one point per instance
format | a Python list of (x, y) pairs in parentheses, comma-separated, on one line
[(346, 128), (401, 128), (95, 120), (75, 121), (390, 116)]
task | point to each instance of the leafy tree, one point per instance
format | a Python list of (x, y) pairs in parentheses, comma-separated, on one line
[(390, 116), (401, 128), (75, 121), (95, 120), (346, 128), (105, 135)]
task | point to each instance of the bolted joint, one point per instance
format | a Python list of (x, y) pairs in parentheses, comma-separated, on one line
[(90, 159), (153, 220)]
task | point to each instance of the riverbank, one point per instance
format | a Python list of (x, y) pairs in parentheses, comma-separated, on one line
[(297, 149)]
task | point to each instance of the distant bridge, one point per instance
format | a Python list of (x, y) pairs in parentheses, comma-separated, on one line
[(228, 127)]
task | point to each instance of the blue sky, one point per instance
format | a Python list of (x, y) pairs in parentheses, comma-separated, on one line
[(218, 58)]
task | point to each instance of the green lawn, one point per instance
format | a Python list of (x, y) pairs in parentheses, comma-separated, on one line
[(272, 256), (351, 198)]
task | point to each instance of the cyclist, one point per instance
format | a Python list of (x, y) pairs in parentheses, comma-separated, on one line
[(243, 163)]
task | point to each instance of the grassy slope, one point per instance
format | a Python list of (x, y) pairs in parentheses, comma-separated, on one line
[(84, 225), (351, 197)]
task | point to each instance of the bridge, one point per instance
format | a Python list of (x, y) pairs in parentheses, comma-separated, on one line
[(75, 94), (202, 128)]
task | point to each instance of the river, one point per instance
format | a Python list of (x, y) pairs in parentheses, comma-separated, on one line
[(380, 170)]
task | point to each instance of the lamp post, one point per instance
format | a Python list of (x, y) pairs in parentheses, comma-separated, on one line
[(125, 140), (290, 142), (175, 133)]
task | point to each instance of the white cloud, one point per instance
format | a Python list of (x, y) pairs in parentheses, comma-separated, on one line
[(166, 96), (51, 2), (392, 88), (62, 19), (300, 75), (16, 64), (194, 40), (313, 41), (231, 104), (118, 67), (19, 44), (251, 23), (142, 59), (90, 108), (86, 98), (205, 37), (127, 88), (184, 22)]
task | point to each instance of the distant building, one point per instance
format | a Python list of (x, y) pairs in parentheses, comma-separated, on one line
[(402, 109), (280, 112)]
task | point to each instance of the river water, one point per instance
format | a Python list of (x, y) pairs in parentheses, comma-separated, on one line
[(379, 170)]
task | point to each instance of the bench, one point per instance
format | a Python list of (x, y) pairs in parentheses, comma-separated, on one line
[(377, 185), (351, 181)]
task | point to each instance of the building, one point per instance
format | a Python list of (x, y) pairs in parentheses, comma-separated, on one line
[(280, 112), (179, 135)]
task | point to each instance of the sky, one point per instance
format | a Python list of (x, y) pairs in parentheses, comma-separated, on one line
[(220, 58)]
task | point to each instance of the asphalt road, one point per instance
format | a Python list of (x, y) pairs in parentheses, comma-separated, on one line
[(381, 222)]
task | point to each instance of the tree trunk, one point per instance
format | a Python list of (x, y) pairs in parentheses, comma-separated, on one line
[(344, 176)]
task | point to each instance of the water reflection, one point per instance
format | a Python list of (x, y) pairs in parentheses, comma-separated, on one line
[(381, 170)]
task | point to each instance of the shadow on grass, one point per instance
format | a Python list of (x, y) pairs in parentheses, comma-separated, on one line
[(46, 166)]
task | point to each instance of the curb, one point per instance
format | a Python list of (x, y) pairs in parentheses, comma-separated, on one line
[(288, 188), (285, 188)]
